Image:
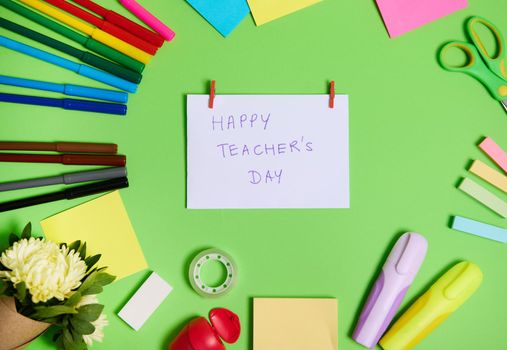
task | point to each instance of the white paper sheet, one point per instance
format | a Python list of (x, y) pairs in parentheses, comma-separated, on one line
[(267, 151), (145, 301)]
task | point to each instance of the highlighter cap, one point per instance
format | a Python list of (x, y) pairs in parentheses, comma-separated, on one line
[(460, 282), (390, 288), (444, 297), (406, 256)]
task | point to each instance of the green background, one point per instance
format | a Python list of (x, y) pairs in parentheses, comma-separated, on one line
[(413, 131)]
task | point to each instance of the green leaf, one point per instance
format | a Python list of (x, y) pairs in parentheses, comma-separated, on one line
[(74, 246), (78, 337), (89, 312), (21, 291), (59, 343), (74, 299), (69, 343), (81, 326), (44, 312), (93, 289), (56, 335), (88, 282), (92, 260), (27, 231), (104, 278), (13, 239), (82, 251), (3, 287), (67, 335)]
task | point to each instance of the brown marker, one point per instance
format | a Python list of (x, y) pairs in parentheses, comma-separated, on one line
[(68, 159), (69, 147)]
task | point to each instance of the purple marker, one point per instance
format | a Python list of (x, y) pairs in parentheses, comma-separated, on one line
[(390, 288)]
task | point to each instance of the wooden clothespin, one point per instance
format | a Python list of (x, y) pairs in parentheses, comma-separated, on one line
[(211, 94), (331, 94)]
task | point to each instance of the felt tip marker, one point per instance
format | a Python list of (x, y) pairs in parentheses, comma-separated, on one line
[(70, 193), (122, 22), (67, 179), (66, 103), (83, 56), (80, 69), (95, 33), (67, 159), (152, 21), (125, 66), (67, 89), (105, 26), (63, 147)]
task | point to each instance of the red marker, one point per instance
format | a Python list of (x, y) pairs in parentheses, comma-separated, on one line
[(123, 22), (105, 26)]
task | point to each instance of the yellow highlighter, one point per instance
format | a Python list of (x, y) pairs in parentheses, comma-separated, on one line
[(433, 307), (95, 33)]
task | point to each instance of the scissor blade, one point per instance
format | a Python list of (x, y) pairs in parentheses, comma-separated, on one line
[(504, 104)]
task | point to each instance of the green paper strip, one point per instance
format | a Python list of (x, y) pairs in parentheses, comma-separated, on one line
[(484, 196)]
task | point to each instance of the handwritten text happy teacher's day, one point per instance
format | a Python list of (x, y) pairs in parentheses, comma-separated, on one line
[(260, 121)]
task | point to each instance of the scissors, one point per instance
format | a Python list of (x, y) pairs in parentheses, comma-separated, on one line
[(489, 69)]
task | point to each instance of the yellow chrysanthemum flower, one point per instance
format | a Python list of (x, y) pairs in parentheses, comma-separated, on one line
[(47, 270)]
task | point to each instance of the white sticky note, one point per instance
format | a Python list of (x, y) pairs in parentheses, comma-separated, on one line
[(145, 301), (267, 151)]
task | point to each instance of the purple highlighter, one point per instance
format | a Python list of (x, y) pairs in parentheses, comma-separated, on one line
[(390, 288)]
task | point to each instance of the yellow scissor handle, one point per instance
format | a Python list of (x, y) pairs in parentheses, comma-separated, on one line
[(496, 60)]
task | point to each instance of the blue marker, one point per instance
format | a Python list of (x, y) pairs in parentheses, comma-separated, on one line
[(67, 89), (67, 103), (80, 69)]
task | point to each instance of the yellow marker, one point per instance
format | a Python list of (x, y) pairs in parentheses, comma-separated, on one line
[(433, 307), (95, 33)]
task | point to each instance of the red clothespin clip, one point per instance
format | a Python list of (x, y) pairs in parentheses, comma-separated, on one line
[(211, 94), (331, 94)]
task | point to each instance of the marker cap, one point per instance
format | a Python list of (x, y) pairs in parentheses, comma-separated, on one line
[(390, 288), (433, 307)]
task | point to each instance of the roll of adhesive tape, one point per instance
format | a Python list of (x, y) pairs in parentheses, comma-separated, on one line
[(195, 273)]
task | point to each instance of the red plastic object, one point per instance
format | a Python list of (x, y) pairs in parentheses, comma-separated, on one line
[(123, 22), (211, 95), (105, 26), (331, 94), (199, 334)]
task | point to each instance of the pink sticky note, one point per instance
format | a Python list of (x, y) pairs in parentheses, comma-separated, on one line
[(402, 16), (495, 152)]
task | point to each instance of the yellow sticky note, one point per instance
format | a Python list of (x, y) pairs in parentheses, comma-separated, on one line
[(104, 225), (295, 324), (265, 11)]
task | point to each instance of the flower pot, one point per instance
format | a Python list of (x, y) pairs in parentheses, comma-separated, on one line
[(16, 330)]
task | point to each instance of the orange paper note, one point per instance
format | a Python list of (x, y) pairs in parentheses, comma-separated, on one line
[(295, 324)]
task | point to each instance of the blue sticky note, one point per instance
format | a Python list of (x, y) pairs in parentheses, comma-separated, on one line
[(224, 15), (479, 229)]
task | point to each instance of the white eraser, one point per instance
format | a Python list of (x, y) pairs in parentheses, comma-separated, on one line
[(145, 301)]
